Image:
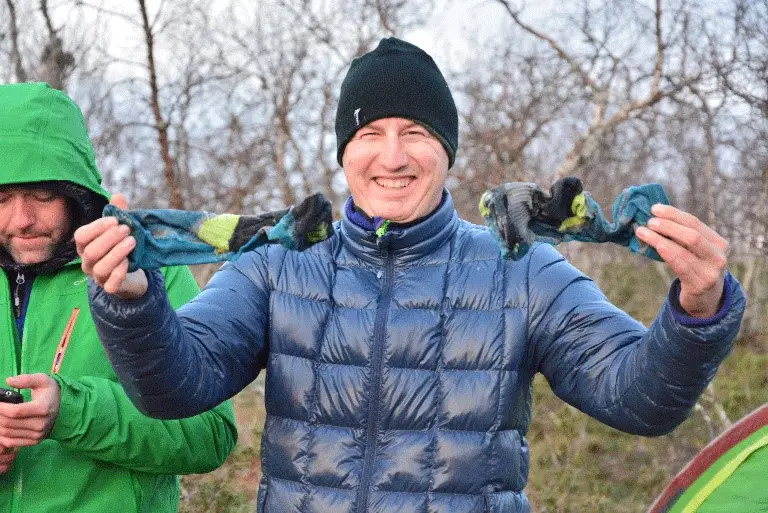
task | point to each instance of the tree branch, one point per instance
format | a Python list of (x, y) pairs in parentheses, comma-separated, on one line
[(161, 125), (658, 69), (47, 17), (586, 145), (13, 29), (585, 78), (111, 12)]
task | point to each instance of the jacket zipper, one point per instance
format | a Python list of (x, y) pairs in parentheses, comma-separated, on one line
[(377, 357), (18, 485), (16, 296)]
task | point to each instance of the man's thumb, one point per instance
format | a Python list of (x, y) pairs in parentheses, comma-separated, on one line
[(119, 200), (25, 380)]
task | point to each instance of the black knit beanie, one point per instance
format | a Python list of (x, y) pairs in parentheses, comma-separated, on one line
[(400, 80)]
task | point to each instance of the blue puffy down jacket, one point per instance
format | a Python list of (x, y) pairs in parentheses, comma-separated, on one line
[(399, 371)]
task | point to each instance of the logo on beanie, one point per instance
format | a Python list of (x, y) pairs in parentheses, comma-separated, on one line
[(357, 117)]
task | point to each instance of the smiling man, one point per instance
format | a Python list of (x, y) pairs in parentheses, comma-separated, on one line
[(400, 352), (395, 169)]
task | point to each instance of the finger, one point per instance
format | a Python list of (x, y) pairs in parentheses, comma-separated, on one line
[(691, 221), (28, 429), (16, 432), (10, 413), (116, 278), (689, 238), (114, 265), (95, 252), (20, 442), (685, 264), (7, 463), (119, 200), (87, 233), (37, 380)]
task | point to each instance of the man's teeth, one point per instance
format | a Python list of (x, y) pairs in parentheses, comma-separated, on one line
[(393, 183)]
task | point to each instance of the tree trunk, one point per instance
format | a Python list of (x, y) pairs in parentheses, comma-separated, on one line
[(161, 125)]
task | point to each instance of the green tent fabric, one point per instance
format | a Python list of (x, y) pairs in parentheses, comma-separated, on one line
[(728, 475)]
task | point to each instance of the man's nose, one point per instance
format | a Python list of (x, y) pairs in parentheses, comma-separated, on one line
[(22, 214), (394, 155)]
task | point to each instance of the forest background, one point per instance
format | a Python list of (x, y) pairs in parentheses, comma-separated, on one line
[(228, 106)]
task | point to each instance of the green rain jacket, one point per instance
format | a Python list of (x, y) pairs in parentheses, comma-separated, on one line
[(102, 454)]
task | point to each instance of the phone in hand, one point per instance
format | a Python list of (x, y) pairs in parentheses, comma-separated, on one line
[(10, 396)]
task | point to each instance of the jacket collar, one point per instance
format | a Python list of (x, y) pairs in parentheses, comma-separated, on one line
[(405, 244)]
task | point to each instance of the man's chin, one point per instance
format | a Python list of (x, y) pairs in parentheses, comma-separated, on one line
[(393, 210), (30, 257)]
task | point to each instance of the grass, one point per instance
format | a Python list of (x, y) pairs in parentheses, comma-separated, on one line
[(232, 487)]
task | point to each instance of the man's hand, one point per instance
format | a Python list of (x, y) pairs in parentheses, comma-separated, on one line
[(104, 246), (29, 423), (7, 457), (696, 254)]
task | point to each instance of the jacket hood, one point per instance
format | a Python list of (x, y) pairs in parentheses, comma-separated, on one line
[(43, 138), (44, 144)]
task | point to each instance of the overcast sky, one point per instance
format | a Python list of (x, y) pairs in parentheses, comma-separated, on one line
[(459, 27)]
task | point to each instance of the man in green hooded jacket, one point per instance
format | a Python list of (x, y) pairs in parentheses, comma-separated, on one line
[(76, 443)]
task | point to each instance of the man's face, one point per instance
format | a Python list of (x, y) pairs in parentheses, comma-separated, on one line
[(32, 223), (396, 169)]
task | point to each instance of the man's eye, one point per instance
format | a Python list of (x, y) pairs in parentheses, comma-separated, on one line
[(44, 196), (420, 132)]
